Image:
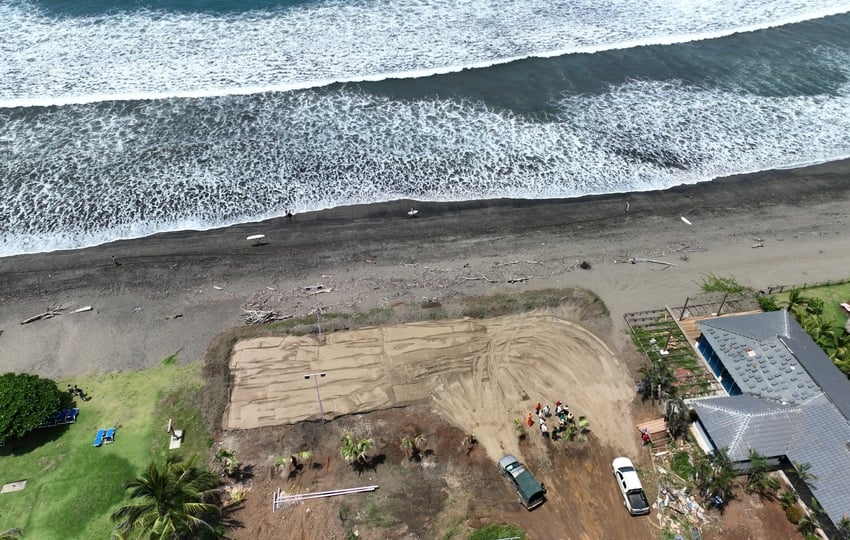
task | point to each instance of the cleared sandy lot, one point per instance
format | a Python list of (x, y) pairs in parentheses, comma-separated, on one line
[(479, 374)]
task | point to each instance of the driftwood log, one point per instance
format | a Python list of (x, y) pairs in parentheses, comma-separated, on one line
[(50, 313), (261, 316)]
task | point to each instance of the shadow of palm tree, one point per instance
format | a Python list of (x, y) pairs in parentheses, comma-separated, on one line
[(369, 464)]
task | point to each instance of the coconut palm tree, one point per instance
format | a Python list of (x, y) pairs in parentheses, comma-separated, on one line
[(171, 500)]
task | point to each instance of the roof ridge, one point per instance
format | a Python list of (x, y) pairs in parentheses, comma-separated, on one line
[(740, 433)]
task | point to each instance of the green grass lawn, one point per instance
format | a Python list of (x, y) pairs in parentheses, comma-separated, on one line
[(72, 487), (832, 296)]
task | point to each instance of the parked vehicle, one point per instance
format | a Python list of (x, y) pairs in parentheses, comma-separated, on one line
[(531, 493), (634, 497)]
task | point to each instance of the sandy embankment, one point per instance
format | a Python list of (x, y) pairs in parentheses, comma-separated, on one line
[(479, 374)]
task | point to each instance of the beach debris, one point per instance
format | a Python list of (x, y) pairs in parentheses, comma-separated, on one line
[(319, 291), (271, 288), (412, 265), (82, 309), (257, 239), (757, 245), (584, 265), (317, 287), (484, 278), (174, 316), (262, 316), (518, 280), (412, 212), (628, 205), (216, 287), (370, 261), (687, 222), (50, 313), (635, 260), (326, 277)]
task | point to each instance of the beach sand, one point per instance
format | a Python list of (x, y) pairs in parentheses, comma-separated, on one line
[(173, 292)]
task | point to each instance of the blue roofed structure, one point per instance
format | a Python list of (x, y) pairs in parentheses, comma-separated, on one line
[(787, 399)]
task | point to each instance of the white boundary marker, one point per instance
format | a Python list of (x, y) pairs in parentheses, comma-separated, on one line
[(279, 500)]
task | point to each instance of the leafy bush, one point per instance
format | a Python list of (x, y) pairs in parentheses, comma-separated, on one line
[(814, 305), (494, 532), (25, 402), (681, 465), (794, 514), (769, 303), (713, 283)]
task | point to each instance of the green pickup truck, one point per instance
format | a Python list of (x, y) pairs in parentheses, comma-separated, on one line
[(531, 493)]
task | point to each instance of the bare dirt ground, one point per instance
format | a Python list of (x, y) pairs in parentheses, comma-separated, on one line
[(451, 487), (454, 488)]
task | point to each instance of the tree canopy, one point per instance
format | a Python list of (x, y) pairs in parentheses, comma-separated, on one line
[(171, 500), (25, 402)]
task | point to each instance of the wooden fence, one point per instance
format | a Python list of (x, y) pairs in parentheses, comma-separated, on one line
[(776, 289)]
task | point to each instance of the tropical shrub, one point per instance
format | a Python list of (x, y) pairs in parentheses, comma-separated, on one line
[(25, 402), (794, 514)]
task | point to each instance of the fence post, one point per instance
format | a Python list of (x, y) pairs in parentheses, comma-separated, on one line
[(682, 314)]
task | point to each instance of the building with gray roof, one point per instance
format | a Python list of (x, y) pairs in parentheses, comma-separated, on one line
[(787, 400)]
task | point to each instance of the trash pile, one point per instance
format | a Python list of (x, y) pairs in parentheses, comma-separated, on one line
[(678, 511)]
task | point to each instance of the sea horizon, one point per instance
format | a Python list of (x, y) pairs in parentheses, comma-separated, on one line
[(539, 101)]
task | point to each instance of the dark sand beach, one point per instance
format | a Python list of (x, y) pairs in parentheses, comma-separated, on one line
[(173, 292)]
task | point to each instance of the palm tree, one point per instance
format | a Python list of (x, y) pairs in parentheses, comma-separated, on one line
[(171, 500), (352, 451), (658, 377), (716, 475), (838, 348), (411, 445), (804, 471), (678, 417), (796, 303), (757, 479), (819, 328)]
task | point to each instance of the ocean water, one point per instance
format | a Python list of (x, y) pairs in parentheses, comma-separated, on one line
[(124, 118)]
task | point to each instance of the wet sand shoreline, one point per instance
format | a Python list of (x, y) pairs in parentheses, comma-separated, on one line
[(375, 254)]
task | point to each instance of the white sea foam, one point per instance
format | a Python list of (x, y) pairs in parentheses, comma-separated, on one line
[(49, 60), (84, 174)]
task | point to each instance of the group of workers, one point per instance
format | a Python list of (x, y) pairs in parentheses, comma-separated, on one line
[(562, 412)]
